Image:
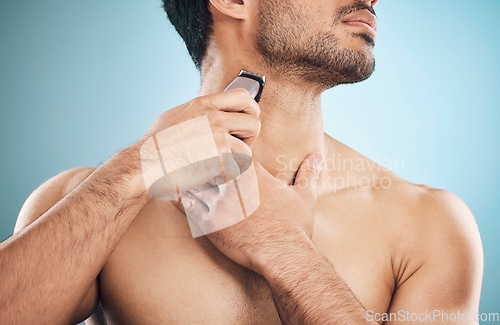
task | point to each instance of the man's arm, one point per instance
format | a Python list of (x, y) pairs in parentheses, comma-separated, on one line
[(307, 290), (44, 198), (445, 287), (49, 266)]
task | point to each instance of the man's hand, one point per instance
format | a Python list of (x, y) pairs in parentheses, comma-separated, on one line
[(186, 146), (285, 214), (223, 110)]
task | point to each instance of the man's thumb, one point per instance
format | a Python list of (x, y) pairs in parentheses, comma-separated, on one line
[(308, 174)]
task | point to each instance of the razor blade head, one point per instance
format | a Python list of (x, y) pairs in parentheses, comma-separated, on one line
[(252, 82)]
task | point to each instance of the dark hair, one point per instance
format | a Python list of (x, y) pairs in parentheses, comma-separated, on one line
[(193, 21)]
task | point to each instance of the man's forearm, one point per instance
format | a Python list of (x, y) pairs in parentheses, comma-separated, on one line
[(307, 290), (47, 267)]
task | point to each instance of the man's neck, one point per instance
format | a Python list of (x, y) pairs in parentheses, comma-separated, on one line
[(292, 125)]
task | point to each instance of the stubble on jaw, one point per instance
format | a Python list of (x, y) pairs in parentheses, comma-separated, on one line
[(289, 45)]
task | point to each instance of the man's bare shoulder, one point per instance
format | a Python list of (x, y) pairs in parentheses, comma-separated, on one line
[(407, 208), (424, 213), (347, 172), (425, 225), (352, 174), (49, 193), (435, 243)]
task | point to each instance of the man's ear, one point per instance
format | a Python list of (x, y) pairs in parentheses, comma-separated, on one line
[(237, 9)]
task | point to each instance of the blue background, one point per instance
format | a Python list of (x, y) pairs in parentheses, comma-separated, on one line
[(80, 80)]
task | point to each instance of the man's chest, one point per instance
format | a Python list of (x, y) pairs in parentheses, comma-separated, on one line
[(159, 274)]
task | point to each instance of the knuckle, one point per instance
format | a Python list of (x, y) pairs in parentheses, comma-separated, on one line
[(257, 108), (201, 101), (246, 150), (242, 149), (258, 125), (220, 137), (218, 132), (214, 116)]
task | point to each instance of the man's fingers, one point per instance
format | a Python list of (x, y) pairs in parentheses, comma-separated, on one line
[(228, 144), (241, 126), (235, 100), (308, 174)]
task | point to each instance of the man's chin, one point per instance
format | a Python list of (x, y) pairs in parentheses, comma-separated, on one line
[(351, 72), (352, 80), (368, 39)]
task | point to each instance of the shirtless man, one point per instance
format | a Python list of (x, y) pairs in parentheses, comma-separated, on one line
[(329, 249)]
